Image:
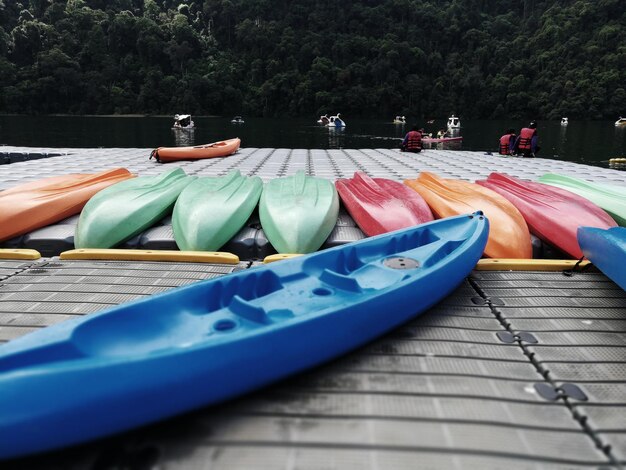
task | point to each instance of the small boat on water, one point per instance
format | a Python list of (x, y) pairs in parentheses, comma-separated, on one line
[(210, 341), (454, 123), (564, 121), (323, 120), (436, 140), (237, 120), (183, 122), (336, 121), (222, 148), (621, 121)]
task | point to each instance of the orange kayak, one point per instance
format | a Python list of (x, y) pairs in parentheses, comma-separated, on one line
[(508, 234), (33, 205), (216, 149)]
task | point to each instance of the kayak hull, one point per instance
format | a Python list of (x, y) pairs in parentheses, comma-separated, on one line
[(222, 148), (437, 140), (127, 208), (33, 205), (380, 205), (611, 198), (509, 236), (552, 214), (298, 212), (121, 368), (606, 249), (211, 210)]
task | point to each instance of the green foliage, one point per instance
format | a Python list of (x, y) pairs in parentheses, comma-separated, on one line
[(421, 58)]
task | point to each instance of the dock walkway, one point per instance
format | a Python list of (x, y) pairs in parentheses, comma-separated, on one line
[(513, 370)]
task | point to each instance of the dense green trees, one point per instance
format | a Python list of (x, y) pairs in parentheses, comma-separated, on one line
[(427, 58)]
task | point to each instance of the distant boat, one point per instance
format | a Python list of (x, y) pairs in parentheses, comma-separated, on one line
[(621, 122), (454, 122), (336, 121), (564, 121), (183, 121), (323, 119), (437, 140), (237, 120)]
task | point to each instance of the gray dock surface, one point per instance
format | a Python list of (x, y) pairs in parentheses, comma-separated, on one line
[(476, 382), (269, 163), (513, 370)]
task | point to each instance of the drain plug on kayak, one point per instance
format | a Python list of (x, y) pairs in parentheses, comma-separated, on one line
[(397, 262)]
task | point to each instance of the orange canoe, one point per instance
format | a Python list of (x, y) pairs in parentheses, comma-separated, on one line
[(216, 149), (33, 205), (508, 233)]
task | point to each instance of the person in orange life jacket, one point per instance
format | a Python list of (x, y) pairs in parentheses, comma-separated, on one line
[(412, 141), (507, 143), (526, 142)]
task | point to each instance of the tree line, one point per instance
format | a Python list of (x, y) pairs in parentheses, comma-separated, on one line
[(423, 58)]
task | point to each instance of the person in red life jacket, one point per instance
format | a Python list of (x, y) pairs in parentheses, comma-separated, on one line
[(507, 143), (526, 143), (412, 141)]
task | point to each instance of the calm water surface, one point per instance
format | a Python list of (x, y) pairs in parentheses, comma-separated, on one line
[(591, 142)]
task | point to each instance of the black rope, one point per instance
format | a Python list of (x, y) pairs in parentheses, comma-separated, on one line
[(576, 268)]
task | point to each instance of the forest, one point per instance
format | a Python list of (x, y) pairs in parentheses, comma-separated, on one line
[(538, 59)]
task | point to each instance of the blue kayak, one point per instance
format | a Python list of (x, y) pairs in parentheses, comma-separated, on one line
[(207, 342), (606, 249)]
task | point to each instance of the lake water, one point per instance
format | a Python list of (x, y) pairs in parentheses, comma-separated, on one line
[(591, 142)]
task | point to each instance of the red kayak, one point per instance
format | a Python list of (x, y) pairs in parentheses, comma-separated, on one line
[(436, 140), (380, 205), (552, 214)]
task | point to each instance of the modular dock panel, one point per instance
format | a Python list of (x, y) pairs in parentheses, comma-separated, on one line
[(515, 369)]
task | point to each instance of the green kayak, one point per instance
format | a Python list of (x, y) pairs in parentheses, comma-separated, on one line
[(610, 197), (211, 210), (298, 212), (125, 209)]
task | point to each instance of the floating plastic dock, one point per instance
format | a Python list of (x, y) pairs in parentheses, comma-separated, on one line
[(267, 163), (515, 369)]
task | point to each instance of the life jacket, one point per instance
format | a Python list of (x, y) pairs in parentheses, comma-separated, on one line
[(414, 143), (525, 138), (505, 141)]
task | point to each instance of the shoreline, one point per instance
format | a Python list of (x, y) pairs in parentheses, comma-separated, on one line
[(107, 115)]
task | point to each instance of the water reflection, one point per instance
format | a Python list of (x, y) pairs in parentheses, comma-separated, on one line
[(562, 145), (184, 137), (336, 137)]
